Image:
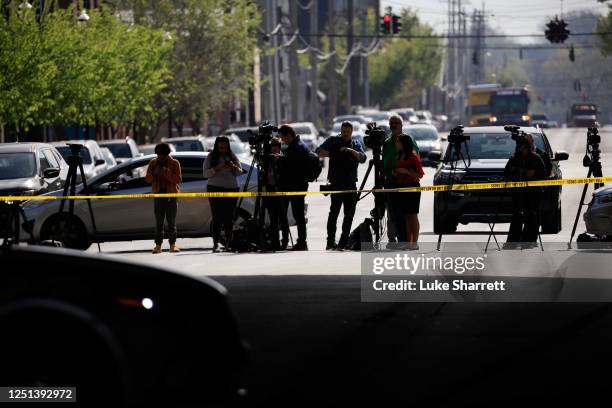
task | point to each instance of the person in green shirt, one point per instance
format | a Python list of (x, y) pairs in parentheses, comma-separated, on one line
[(389, 157)]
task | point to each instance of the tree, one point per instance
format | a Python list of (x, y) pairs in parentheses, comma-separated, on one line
[(213, 52), (604, 28)]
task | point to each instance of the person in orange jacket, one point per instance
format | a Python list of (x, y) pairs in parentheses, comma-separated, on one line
[(164, 175)]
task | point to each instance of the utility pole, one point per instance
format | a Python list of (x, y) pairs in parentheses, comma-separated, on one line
[(349, 47), (314, 86), (331, 64), (294, 68), (364, 60)]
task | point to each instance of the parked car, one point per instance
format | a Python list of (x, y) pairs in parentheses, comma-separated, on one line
[(428, 140), (132, 219), (94, 162), (31, 169), (540, 120), (109, 157), (598, 216), (424, 117), (148, 149), (188, 143), (242, 132), (405, 113), (353, 118), (308, 133), (489, 149), (122, 149), (553, 124), (380, 117)]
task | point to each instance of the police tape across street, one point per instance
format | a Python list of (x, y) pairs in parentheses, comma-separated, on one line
[(434, 188)]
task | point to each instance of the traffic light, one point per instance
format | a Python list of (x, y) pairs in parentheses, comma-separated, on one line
[(397, 24), (572, 55), (557, 31), (385, 26)]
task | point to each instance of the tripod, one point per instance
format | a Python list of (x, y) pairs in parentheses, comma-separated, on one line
[(456, 139), (13, 212), (76, 162), (261, 161), (378, 212), (592, 161)]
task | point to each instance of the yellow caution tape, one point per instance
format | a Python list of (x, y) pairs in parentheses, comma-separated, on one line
[(435, 188)]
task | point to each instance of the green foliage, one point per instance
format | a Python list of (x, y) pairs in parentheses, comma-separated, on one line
[(404, 67), (214, 49), (58, 71), (604, 25)]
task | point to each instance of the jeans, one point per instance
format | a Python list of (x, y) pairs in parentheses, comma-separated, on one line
[(525, 223), (277, 210), (222, 209), (297, 209), (165, 209), (349, 201)]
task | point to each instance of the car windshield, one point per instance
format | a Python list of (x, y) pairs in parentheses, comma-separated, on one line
[(493, 146), (188, 145), (237, 148), (66, 153), (119, 149), (17, 165), (538, 117), (146, 150), (509, 104), (422, 134)]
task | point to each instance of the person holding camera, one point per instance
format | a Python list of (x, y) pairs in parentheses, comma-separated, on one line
[(524, 165), (276, 207), (345, 154), (293, 167), (222, 168), (164, 175), (407, 173), (389, 156)]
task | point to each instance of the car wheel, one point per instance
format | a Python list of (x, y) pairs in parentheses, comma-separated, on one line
[(67, 229)]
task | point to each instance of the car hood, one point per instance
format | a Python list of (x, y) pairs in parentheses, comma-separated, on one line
[(484, 164), (428, 144), (606, 189), (18, 185)]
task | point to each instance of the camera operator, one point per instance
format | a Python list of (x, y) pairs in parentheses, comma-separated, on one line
[(164, 175), (344, 154), (525, 165), (389, 155), (293, 178), (276, 206)]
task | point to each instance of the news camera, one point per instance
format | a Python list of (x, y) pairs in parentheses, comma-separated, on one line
[(263, 135), (456, 136), (515, 133), (375, 136)]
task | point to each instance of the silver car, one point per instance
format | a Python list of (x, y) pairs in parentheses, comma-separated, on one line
[(133, 218), (598, 217)]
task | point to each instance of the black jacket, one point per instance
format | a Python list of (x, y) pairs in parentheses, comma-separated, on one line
[(293, 165)]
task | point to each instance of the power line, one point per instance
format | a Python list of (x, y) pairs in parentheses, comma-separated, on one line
[(450, 36)]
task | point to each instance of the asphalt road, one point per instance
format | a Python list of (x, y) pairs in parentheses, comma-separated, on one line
[(313, 342), (197, 258)]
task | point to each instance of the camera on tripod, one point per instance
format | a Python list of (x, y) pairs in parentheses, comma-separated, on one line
[(375, 136), (593, 137), (75, 148), (516, 134), (263, 135), (456, 136)]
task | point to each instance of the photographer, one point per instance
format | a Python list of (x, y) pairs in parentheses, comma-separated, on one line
[(276, 205), (389, 155), (221, 168), (292, 168), (524, 165), (164, 175), (344, 154)]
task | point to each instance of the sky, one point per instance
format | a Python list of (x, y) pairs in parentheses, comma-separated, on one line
[(510, 16)]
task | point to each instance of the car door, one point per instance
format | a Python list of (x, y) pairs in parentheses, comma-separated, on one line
[(194, 214), (126, 216), (54, 183)]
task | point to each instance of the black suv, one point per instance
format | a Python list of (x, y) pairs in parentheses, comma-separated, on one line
[(489, 149)]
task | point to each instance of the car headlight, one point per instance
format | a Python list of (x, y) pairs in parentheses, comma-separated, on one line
[(493, 119), (525, 117)]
